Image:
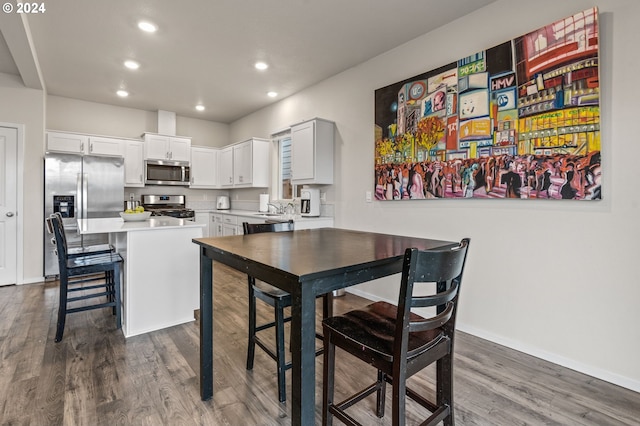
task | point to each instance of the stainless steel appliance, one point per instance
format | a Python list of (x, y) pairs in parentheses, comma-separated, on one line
[(310, 202), (160, 172), (168, 205), (80, 187), (222, 202)]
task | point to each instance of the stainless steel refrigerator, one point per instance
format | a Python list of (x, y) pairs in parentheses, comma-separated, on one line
[(80, 187)]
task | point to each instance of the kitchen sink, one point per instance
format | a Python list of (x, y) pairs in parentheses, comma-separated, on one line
[(268, 214)]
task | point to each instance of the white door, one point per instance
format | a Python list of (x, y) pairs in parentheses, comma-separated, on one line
[(8, 205)]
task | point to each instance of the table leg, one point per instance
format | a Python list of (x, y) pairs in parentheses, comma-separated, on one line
[(206, 326), (303, 347)]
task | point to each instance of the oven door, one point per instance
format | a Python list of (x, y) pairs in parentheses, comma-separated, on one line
[(166, 173)]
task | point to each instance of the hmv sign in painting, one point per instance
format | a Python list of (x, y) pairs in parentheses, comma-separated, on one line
[(518, 120)]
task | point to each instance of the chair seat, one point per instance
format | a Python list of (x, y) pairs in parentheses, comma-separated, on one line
[(89, 250), (372, 328), (92, 263)]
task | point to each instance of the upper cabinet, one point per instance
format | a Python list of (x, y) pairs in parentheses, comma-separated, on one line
[(312, 152), (225, 167), (133, 163), (245, 164), (204, 167), (75, 143), (67, 142), (162, 147), (99, 145), (251, 164)]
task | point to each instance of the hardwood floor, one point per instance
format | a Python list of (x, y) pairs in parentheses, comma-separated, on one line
[(96, 377)]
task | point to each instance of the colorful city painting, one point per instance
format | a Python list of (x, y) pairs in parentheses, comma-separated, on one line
[(518, 120)]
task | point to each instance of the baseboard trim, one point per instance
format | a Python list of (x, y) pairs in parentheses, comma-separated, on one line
[(589, 370)]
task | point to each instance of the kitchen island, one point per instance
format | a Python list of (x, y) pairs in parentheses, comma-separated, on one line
[(160, 286)]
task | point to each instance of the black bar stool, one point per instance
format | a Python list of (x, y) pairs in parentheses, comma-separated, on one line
[(91, 276), (400, 343), (278, 299)]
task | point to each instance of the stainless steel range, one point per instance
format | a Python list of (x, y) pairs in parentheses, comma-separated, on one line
[(167, 205)]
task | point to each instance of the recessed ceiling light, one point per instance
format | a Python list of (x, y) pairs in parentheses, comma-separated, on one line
[(147, 26), (200, 107), (261, 66), (132, 65), (122, 93), (272, 94)]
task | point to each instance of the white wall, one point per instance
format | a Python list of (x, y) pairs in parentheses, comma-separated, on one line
[(73, 115), (26, 106), (556, 279)]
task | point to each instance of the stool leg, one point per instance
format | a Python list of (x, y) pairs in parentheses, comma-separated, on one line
[(380, 394), (251, 345), (444, 386), (328, 371), (62, 305), (280, 358)]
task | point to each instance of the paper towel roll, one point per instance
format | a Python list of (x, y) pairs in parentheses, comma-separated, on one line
[(264, 201)]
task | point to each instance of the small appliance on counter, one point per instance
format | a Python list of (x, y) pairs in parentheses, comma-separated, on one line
[(310, 202), (222, 202), (264, 203)]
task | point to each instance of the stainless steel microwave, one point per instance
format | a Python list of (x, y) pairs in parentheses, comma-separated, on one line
[(160, 172)]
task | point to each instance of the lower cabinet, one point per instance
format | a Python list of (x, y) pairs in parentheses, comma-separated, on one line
[(203, 218), (224, 224), (215, 225)]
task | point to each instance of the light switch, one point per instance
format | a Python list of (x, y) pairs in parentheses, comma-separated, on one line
[(367, 196)]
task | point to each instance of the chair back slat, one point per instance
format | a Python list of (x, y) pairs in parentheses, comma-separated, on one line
[(60, 239), (444, 267), (257, 228)]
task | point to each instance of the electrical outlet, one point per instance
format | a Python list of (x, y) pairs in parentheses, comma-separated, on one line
[(323, 196)]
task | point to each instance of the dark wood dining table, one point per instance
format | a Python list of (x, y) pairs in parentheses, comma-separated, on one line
[(305, 263)]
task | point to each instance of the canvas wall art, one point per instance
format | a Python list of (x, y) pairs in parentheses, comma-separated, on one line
[(518, 120)]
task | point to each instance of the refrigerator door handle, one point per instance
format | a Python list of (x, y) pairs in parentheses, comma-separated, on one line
[(78, 204), (85, 196)]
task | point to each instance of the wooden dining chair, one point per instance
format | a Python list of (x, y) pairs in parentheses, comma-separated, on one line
[(279, 300), (93, 276), (400, 343)]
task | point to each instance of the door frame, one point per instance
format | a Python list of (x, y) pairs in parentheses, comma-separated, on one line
[(20, 199)]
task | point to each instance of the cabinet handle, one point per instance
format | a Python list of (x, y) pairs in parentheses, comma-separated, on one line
[(91, 147), (81, 146)]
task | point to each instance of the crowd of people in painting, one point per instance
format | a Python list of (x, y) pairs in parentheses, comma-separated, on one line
[(559, 176)]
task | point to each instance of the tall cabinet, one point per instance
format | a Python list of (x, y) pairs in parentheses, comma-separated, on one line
[(312, 152)]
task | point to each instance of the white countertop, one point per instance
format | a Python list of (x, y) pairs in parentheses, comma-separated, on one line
[(258, 215), (116, 224)]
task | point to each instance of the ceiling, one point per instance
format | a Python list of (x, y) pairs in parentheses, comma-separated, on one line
[(204, 50)]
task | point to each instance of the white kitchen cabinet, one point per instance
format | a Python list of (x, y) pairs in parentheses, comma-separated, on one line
[(77, 143), (204, 167), (215, 225), (133, 154), (67, 142), (312, 152), (203, 219), (225, 167), (251, 164), (99, 145), (163, 147), (230, 225)]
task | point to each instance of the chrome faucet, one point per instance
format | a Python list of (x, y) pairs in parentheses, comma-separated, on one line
[(278, 207)]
